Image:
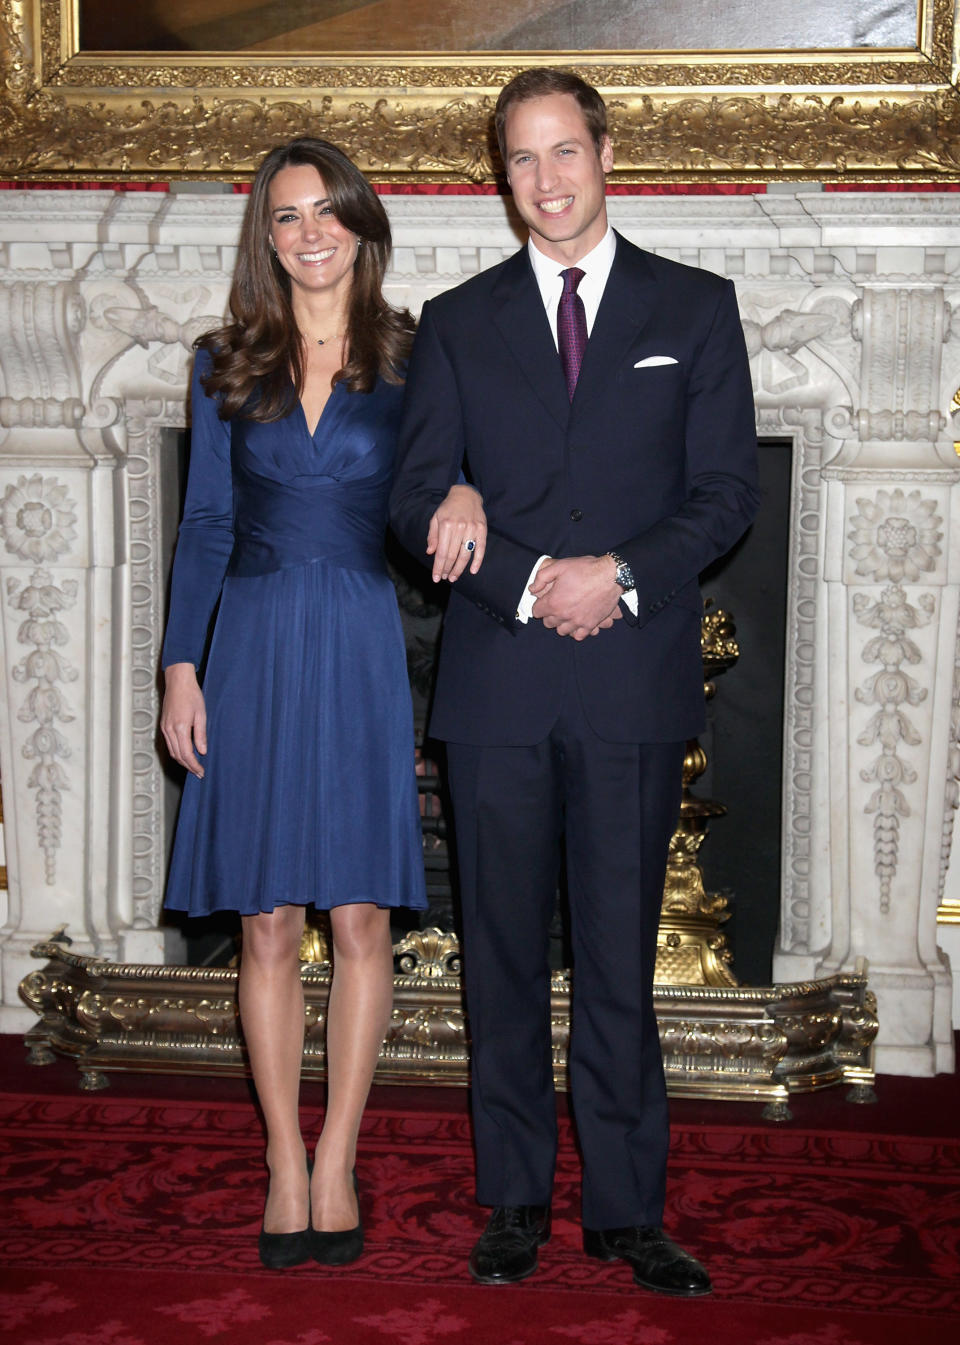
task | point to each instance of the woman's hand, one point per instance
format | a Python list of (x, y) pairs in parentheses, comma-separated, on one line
[(460, 519), (183, 718)]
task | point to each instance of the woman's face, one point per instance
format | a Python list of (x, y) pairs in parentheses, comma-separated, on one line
[(313, 247)]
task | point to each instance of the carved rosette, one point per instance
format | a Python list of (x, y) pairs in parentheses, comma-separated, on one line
[(895, 538), (37, 519)]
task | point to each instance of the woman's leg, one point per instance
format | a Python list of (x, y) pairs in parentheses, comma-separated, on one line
[(271, 1014), (361, 998)]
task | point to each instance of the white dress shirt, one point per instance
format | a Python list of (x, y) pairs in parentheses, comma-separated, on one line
[(596, 270), (549, 277)]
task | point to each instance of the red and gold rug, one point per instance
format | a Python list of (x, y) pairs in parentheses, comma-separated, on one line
[(132, 1220)]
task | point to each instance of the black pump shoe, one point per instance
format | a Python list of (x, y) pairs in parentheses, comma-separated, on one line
[(280, 1251), (341, 1247)]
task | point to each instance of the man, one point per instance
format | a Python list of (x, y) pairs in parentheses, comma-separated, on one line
[(599, 399)]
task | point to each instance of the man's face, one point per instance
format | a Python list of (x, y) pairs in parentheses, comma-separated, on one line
[(557, 176)]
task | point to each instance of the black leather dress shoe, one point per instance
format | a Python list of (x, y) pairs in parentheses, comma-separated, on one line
[(507, 1249), (657, 1263)]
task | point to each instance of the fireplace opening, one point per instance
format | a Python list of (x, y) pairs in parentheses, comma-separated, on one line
[(744, 739)]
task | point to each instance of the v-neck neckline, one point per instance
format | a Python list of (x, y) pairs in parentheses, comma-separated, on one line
[(323, 411)]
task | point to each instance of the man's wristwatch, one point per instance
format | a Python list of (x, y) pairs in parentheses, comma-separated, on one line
[(624, 574)]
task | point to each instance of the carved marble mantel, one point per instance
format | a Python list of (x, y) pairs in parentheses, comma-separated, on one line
[(849, 304)]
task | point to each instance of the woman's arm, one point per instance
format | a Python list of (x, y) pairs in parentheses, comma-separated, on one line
[(204, 545)]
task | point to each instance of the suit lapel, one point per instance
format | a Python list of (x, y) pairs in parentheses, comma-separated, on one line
[(522, 321), (628, 301)]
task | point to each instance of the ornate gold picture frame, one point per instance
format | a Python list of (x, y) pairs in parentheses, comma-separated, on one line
[(859, 114)]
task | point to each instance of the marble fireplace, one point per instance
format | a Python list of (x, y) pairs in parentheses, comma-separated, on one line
[(851, 309)]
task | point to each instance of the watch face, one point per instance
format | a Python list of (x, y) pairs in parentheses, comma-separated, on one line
[(624, 575)]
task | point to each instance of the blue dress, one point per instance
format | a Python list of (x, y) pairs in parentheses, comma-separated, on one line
[(309, 792)]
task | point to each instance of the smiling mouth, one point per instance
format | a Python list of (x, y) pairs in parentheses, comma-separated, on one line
[(555, 206), (315, 256)]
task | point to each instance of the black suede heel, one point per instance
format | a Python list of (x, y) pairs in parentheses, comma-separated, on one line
[(341, 1247), (280, 1251)]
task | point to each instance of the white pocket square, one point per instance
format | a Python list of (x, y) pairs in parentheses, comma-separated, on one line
[(651, 360)]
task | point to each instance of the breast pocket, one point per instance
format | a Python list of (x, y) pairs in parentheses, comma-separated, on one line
[(653, 385)]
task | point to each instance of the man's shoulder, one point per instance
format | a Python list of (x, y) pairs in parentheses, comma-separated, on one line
[(478, 289), (680, 277)]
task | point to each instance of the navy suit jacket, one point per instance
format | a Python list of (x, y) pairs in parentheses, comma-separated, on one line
[(657, 463)]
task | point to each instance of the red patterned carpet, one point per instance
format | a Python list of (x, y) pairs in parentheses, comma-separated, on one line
[(129, 1217)]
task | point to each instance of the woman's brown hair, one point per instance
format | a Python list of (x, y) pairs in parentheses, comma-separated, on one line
[(256, 355)]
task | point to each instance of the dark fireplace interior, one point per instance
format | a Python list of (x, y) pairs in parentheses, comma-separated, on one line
[(744, 737)]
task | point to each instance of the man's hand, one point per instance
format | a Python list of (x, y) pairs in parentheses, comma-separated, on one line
[(578, 596)]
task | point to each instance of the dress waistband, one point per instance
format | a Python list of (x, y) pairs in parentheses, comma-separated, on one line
[(278, 524)]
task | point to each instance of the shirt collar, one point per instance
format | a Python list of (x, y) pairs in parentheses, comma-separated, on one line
[(595, 265)]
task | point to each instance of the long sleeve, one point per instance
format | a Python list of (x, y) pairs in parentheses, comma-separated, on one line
[(430, 456), (205, 540), (721, 471)]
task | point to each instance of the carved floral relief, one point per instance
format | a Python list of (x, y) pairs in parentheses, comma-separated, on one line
[(896, 537), (38, 524), (37, 519), (40, 601)]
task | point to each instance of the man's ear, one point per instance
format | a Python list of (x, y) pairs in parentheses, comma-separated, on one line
[(606, 154)]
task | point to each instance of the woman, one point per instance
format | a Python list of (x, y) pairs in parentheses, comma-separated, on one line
[(306, 789)]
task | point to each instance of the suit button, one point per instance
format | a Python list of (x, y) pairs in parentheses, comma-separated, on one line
[(576, 515)]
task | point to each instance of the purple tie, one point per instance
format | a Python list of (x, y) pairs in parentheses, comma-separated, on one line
[(571, 328)]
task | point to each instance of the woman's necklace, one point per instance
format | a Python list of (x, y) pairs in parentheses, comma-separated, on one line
[(322, 340)]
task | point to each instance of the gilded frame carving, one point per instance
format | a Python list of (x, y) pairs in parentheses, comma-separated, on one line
[(857, 115)]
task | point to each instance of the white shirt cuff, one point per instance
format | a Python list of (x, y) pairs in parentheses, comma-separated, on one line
[(525, 605)]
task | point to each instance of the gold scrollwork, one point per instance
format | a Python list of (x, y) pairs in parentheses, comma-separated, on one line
[(855, 114), (718, 1041), (428, 955)]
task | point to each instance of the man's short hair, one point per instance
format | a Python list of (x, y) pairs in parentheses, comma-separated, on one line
[(541, 81)]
